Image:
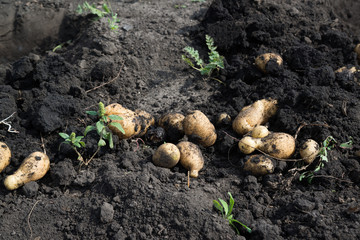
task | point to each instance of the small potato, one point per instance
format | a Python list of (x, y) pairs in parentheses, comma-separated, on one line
[(253, 115), (279, 145), (34, 167), (134, 123), (259, 165), (357, 50), (199, 128), (269, 62), (351, 70), (173, 125), (167, 155), (260, 132), (5, 156), (223, 119), (191, 157), (309, 151)]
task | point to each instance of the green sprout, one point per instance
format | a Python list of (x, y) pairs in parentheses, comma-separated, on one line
[(226, 210), (75, 142), (215, 60), (100, 13), (328, 144)]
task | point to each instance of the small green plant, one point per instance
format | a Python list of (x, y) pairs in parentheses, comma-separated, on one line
[(226, 210), (75, 142), (100, 13), (215, 60), (328, 144)]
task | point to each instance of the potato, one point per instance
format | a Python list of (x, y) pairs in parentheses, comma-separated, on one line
[(253, 115), (191, 157), (357, 50), (309, 151), (199, 128), (173, 125), (279, 145), (167, 155), (34, 167), (5, 156), (134, 123), (223, 119), (259, 165), (268, 62), (260, 132)]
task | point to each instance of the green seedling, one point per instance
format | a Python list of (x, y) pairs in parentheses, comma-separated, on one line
[(105, 11), (75, 142), (226, 210), (61, 45), (215, 60), (328, 144)]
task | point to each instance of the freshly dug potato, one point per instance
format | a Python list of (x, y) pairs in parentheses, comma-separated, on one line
[(259, 165), (253, 115), (268, 62), (357, 50), (167, 155), (34, 167), (343, 69), (260, 132), (199, 128), (223, 119), (134, 123), (191, 157), (309, 151), (279, 145), (173, 125), (5, 156), (155, 136)]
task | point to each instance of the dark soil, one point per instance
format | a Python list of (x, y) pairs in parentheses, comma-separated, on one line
[(121, 194)]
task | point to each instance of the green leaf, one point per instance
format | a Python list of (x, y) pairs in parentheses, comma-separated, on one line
[(115, 117), (225, 206), (218, 206), (246, 227), (82, 143), (78, 138), (76, 144), (118, 126), (106, 9), (111, 143), (101, 143), (234, 226), (88, 129), (93, 113), (99, 127), (231, 203), (348, 144), (64, 135)]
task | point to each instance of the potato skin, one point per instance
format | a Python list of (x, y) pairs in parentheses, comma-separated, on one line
[(357, 50), (134, 123), (191, 157), (279, 145), (309, 151), (34, 167), (199, 128), (263, 61), (260, 132), (5, 156), (259, 165), (167, 155), (255, 114), (173, 125)]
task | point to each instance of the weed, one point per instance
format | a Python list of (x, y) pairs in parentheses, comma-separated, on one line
[(226, 210), (215, 60), (75, 142), (100, 13), (328, 144)]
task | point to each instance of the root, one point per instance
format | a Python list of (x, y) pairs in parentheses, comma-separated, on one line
[(28, 218), (5, 122)]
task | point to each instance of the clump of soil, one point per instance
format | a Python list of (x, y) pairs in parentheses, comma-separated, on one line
[(121, 194)]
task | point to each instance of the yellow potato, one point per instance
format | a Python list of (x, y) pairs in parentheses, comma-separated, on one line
[(262, 61), (5, 156), (309, 151), (279, 145), (34, 167), (260, 132), (223, 119), (199, 128), (173, 125), (253, 115), (134, 123), (191, 157), (167, 155), (259, 165)]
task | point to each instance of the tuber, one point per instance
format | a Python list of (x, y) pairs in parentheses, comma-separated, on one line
[(259, 165), (167, 155), (173, 125), (199, 128), (5, 156), (269, 62), (134, 123), (260, 132), (309, 151), (191, 157), (255, 114), (223, 119), (34, 167), (279, 145)]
